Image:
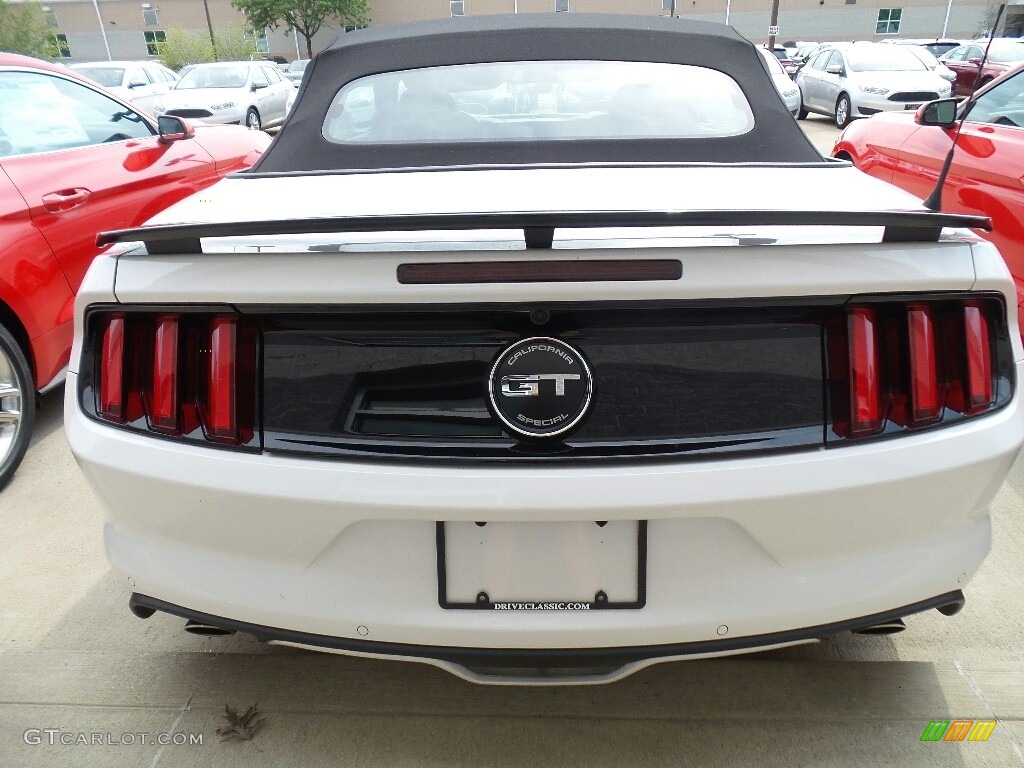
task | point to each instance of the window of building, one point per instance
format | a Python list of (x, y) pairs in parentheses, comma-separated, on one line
[(888, 21), (60, 43), (458, 8), (154, 40), (50, 17), (259, 39), (561, 6), (149, 17)]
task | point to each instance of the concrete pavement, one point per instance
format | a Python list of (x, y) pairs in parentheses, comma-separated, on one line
[(821, 131), (76, 666)]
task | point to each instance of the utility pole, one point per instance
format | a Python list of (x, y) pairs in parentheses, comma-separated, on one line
[(209, 25), (773, 26)]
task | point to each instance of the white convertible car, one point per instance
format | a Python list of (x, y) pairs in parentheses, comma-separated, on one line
[(506, 357)]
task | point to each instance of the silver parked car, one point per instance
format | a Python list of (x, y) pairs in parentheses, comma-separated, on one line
[(862, 79), (296, 70), (140, 82), (788, 91), (252, 93)]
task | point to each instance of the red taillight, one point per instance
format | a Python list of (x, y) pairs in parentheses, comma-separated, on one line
[(112, 390), (164, 402), (980, 386), (894, 366), (221, 403), (865, 386), (189, 375), (924, 377)]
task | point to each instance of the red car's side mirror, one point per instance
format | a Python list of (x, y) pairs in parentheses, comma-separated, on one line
[(941, 112), (173, 128)]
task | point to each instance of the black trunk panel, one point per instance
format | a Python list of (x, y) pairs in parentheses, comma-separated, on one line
[(666, 381)]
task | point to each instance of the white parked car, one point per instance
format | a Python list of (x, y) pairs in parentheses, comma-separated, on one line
[(250, 93), (931, 62), (863, 79), (140, 82), (501, 359), (784, 84)]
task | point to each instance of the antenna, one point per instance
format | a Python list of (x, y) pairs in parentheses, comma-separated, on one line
[(934, 200)]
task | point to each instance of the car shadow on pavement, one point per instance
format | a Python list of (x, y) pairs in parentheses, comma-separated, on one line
[(49, 415)]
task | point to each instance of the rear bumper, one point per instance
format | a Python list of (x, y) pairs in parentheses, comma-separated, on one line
[(538, 663), (738, 549)]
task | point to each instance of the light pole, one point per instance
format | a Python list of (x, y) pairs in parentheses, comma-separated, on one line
[(103, 31), (949, 7), (728, 3)]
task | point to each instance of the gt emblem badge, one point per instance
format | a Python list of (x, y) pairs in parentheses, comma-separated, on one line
[(540, 387)]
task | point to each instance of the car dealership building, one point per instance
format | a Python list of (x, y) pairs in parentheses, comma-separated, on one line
[(88, 30)]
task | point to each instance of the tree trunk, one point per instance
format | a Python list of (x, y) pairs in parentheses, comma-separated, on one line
[(309, 45)]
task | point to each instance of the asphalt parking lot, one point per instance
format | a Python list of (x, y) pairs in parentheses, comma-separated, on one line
[(76, 666)]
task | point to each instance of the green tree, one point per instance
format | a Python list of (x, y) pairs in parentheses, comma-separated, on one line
[(304, 16), (236, 44), (183, 47), (23, 30)]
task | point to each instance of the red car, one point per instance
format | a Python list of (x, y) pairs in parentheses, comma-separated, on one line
[(987, 174), (74, 160), (965, 61)]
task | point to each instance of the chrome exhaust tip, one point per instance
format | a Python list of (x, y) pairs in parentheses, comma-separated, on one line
[(207, 630), (890, 627)]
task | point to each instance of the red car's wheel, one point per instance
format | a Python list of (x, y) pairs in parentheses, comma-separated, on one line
[(17, 405)]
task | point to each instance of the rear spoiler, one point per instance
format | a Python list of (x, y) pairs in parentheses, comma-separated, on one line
[(539, 227)]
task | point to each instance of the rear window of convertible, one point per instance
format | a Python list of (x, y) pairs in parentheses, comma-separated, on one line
[(530, 100)]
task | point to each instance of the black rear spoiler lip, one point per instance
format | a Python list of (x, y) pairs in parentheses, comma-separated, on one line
[(539, 227)]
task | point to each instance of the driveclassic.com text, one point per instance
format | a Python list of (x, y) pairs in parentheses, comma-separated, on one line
[(541, 606)]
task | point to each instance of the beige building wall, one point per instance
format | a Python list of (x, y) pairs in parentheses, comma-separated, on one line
[(811, 20)]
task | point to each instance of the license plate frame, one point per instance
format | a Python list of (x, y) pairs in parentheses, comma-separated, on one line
[(530, 605)]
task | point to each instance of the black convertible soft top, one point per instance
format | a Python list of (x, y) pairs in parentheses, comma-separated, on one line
[(301, 147)]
